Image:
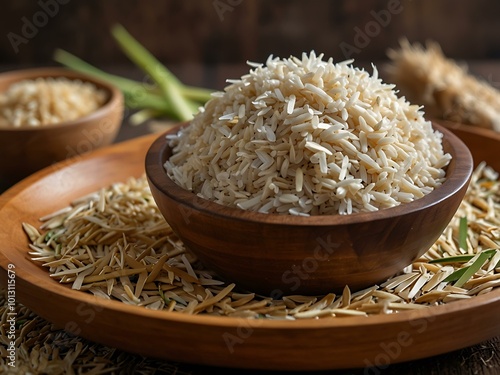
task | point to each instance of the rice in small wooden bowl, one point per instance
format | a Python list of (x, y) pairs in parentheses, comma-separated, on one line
[(50, 114)]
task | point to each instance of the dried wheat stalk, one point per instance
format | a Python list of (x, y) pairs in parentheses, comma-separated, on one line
[(446, 89)]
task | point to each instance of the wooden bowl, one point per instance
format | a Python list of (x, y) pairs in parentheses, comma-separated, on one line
[(283, 254), (26, 150), (484, 142), (307, 345)]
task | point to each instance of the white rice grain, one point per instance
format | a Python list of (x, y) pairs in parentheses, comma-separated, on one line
[(48, 101), (304, 121)]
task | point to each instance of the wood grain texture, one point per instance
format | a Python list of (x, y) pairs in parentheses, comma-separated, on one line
[(231, 342), (235, 31), (287, 254), (485, 143), (26, 150)]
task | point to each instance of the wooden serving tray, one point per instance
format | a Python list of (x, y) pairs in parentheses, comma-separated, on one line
[(331, 343)]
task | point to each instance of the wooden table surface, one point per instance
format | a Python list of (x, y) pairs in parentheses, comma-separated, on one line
[(483, 358)]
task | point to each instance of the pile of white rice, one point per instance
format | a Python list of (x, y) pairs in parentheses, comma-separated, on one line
[(308, 137), (48, 101)]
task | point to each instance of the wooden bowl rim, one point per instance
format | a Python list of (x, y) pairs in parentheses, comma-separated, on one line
[(115, 96), (467, 128), (462, 166)]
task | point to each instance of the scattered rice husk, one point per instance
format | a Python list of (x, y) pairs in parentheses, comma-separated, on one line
[(308, 137), (42, 348), (115, 244), (48, 101), (446, 89)]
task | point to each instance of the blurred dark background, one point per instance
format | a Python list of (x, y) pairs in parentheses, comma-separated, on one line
[(233, 31)]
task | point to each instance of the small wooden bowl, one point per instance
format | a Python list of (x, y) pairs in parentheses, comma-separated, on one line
[(26, 150), (282, 254), (482, 141)]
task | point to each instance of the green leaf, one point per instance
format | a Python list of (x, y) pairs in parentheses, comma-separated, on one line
[(453, 259), (462, 275), (455, 275), (462, 233)]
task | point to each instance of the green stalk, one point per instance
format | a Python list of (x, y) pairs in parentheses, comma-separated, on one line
[(166, 81), (196, 93), (73, 62), (142, 116), (462, 233), (136, 95)]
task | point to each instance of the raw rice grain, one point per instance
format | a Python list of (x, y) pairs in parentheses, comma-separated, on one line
[(48, 101), (300, 127)]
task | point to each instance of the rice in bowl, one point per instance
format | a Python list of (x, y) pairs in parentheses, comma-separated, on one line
[(47, 101), (308, 137)]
